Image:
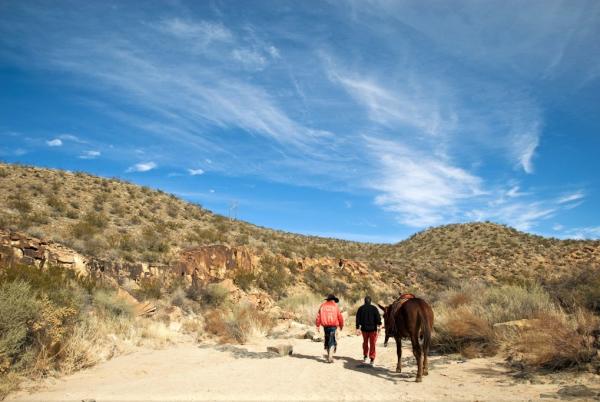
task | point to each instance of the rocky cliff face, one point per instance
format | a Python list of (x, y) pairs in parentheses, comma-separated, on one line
[(196, 267), (202, 265)]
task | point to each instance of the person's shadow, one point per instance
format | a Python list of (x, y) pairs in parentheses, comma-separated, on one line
[(358, 365)]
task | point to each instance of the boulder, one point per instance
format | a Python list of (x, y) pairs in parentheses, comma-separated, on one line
[(281, 350)]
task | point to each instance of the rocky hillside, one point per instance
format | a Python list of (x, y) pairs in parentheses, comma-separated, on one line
[(129, 225)]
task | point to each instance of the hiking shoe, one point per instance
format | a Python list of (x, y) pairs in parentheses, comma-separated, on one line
[(364, 359), (371, 362)]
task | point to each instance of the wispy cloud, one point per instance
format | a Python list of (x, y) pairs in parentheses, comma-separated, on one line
[(424, 114), (90, 155), (54, 143), (203, 32), (578, 195), (195, 172), (142, 167), (423, 190), (587, 232)]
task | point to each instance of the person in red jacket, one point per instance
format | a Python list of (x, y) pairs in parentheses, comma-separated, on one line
[(330, 317)]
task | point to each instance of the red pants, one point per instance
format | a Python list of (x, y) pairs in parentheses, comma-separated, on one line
[(369, 339)]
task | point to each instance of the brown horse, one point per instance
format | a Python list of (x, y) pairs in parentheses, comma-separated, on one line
[(410, 318)]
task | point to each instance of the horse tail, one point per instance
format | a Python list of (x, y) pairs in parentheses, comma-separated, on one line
[(426, 328)]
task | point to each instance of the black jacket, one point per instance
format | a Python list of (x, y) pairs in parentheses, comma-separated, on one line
[(368, 318)]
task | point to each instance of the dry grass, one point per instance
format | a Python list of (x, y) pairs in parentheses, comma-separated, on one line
[(555, 341), (303, 305), (54, 323), (535, 332), (239, 325)]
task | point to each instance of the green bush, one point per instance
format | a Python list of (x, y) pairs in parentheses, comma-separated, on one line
[(150, 288), (108, 302), (20, 202), (89, 225), (18, 311), (273, 277), (244, 279), (214, 295)]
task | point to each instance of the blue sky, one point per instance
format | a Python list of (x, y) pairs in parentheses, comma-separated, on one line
[(364, 120)]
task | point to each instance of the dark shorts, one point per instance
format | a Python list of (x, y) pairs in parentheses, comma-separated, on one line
[(330, 336)]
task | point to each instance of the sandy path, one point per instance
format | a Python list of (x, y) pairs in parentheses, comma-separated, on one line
[(192, 372)]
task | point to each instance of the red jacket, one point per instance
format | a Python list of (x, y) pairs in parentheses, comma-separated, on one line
[(329, 315)]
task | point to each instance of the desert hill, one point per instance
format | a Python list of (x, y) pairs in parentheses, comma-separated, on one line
[(114, 220)]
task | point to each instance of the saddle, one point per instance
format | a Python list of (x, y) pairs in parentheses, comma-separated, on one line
[(403, 298)]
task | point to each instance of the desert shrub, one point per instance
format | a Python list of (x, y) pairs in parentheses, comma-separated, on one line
[(56, 204), (273, 277), (240, 325), (18, 311), (303, 305), (150, 288), (554, 341), (324, 283), (465, 317), (4, 172), (62, 286), (20, 202), (244, 279), (580, 290), (90, 224), (154, 238), (214, 295), (178, 297), (108, 302)]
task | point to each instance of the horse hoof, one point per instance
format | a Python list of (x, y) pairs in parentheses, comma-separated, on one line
[(419, 379), (398, 370), (425, 372)]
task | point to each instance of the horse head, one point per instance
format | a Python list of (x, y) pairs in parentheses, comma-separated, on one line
[(388, 322)]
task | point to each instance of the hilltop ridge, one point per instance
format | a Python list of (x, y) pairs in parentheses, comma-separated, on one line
[(113, 219)]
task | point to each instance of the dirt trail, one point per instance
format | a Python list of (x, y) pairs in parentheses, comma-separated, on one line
[(198, 372)]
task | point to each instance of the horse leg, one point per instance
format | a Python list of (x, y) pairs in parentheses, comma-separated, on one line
[(399, 354), (425, 351), (418, 352)]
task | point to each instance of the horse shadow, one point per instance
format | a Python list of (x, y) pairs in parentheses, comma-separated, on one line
[(358, 365)]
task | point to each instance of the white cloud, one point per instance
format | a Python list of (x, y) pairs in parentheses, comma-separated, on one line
[(203, 31), (249, 58), (90, 155), (71, 137), (54, 143), (421, 189), (589, 232), (571, 197), (195, 172), (142, 167), (274, 52), (408, 106)]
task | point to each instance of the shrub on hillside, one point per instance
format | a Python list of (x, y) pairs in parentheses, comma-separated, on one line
[(110, 304), (244, 279), (20, 202), (150, 288), (89, 225), (273, 277), (18, 312), (214, 295)]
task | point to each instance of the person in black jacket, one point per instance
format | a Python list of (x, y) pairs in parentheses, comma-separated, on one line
[(368, 321)]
